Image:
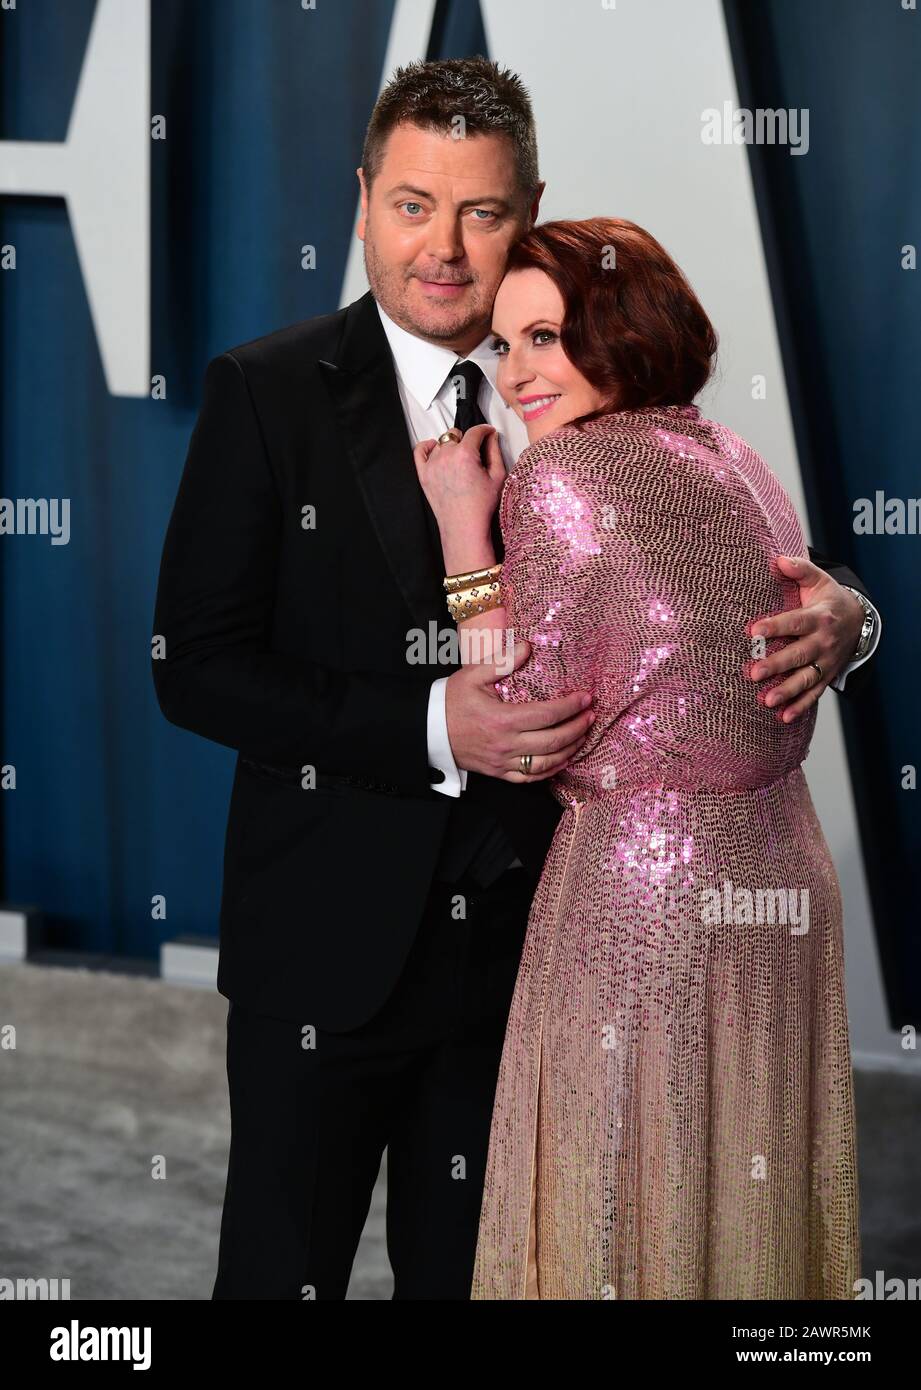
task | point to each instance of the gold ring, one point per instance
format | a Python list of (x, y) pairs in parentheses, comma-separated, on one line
[(524, 762), (817, 667), (451, 436)]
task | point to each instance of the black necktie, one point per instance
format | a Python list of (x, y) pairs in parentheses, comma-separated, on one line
[(476, 840), (467, 378)]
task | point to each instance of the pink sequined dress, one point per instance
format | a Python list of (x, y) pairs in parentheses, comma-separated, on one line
[(674, 1114)]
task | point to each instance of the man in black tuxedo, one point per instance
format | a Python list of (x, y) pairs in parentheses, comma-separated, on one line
[(383, 844)]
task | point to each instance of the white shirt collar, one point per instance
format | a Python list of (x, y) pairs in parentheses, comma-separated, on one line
[(423, 367)]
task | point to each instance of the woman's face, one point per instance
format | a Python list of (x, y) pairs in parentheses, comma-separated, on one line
[(535, 376)]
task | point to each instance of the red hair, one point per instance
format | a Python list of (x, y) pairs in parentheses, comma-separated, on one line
[(632, 325)]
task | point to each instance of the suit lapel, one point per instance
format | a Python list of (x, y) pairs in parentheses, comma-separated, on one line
[(363, 388)]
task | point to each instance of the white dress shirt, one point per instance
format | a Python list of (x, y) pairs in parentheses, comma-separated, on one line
[(429, 401), (429, 404)]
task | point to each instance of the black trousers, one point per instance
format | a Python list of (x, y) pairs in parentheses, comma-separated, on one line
[(309, 1124)]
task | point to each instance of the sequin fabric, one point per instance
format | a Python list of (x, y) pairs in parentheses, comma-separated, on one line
[(674, 1114)]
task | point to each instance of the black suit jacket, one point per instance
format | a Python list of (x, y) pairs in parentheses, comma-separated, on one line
[(289, 644)]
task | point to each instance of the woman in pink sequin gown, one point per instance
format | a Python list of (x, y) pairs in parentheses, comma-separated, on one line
[(674, 1113)]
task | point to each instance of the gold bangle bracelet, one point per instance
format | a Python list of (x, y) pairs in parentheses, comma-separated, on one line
[(466, 603), (453, 583)]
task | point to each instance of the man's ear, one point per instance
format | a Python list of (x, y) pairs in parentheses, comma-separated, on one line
[(360, 229), (535, 205)]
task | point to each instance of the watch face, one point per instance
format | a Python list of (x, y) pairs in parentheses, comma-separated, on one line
[(869, 622), (866, 632)]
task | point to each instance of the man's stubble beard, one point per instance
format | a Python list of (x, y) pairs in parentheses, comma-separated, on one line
[(389, 288)]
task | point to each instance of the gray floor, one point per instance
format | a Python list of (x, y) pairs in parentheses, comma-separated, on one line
[(112, 1074)]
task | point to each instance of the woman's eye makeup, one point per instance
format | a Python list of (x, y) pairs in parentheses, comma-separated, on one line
[(500, 346)]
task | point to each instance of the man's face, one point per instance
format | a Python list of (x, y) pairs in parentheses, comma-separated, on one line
[(438, 224)]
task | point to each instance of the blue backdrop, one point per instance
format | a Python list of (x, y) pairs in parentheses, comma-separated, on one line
[(834, 225), (266, 107)]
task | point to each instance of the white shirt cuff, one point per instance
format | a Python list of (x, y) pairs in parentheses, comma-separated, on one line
[(838, 682), (439, 745)]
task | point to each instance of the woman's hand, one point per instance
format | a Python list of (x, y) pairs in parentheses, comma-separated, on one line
[(462, 492)]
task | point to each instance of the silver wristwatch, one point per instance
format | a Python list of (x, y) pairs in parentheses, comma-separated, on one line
[(869, 623)]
